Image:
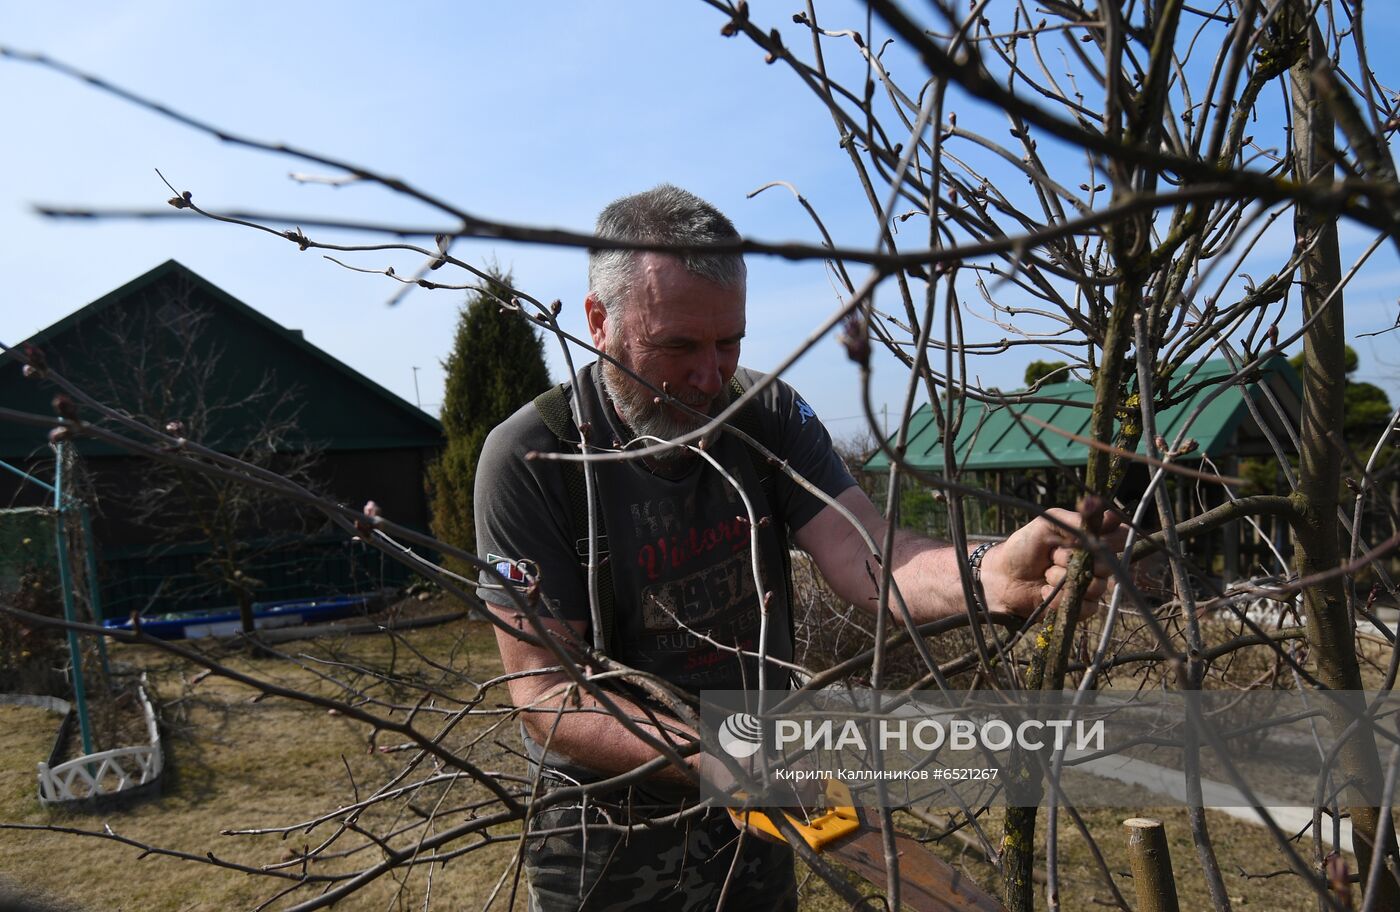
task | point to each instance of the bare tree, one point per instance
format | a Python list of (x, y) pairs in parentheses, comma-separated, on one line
[(1147, 165)]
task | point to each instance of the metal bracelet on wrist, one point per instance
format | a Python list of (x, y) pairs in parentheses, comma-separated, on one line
[(974, 561)]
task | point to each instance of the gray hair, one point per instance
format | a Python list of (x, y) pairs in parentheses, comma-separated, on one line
[(663, 215)]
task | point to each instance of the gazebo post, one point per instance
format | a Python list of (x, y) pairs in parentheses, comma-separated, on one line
[(1232, 530)]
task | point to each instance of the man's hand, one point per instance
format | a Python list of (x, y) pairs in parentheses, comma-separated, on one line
[(1017, 575), (1022, 572), (800, 795)]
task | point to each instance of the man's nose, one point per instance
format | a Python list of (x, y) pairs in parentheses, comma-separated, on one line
[(705, 374)]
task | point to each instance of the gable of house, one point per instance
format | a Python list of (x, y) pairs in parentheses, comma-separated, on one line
[(119, 348)]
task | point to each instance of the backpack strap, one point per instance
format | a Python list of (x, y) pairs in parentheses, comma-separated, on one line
[(554, 411)]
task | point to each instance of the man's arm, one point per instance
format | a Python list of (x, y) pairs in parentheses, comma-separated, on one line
[(584, 731), (521, 510), (1017, 574)]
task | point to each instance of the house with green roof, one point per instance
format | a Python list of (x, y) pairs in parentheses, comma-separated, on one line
[(171, 346), (1032, 446)]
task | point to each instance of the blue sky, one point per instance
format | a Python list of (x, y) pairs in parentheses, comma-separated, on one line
[(529, 112)]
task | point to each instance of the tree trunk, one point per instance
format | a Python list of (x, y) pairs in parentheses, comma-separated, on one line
[(245, 611), (1316, 527)]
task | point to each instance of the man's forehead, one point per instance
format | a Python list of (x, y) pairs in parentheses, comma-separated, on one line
[(665, 289), (653, 266)]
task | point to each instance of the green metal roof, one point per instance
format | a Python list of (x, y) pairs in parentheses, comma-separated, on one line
[(996, 436)]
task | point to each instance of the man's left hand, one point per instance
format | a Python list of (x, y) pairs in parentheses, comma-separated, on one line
[(1019, 574)]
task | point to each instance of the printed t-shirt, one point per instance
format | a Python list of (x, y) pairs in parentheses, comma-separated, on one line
[(679, 550)]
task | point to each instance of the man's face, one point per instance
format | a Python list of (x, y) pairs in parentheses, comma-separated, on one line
[(680, 333)]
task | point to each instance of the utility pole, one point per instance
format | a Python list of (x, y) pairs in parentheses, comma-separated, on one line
[(416, 397)]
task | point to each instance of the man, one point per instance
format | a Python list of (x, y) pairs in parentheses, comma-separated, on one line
[(677, 544)]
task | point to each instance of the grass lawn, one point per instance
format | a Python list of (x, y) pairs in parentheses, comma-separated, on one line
[(234, 762)]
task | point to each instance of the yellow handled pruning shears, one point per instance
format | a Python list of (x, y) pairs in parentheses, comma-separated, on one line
[(927, 882), (839, 821)]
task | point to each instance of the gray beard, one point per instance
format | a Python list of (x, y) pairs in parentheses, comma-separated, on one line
[(636, 406)]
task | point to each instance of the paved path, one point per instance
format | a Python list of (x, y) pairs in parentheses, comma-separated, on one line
[(1216, 796)]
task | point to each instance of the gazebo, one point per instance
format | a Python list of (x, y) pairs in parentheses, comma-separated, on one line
[(1032, 446)]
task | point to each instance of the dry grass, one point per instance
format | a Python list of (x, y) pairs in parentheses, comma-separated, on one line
[(1245, 852), (235, 763)]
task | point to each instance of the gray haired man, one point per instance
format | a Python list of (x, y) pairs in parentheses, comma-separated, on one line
[(677, 544)]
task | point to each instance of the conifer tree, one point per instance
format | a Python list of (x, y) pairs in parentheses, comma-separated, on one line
[(496, 366), (1037, 371)]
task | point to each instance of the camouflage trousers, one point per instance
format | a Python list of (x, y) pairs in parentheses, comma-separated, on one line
[(600, 863)]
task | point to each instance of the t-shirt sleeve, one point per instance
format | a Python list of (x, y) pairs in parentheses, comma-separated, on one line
[(804, 442), (522, 526)]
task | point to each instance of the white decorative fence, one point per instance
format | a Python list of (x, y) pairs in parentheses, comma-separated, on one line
[(103, 773), (109, 772)]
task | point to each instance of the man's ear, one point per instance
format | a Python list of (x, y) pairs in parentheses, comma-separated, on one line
[(598, 325)]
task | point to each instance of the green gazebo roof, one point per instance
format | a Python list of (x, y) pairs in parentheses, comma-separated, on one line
[(996, 436)]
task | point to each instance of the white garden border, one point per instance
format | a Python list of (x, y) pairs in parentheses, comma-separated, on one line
[(120, 771)]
